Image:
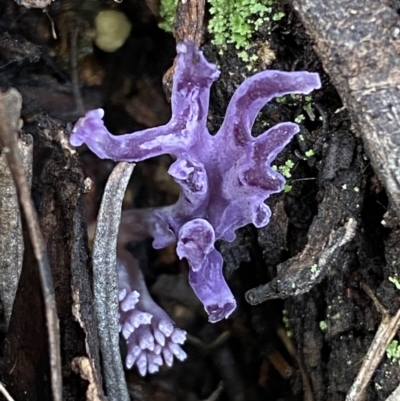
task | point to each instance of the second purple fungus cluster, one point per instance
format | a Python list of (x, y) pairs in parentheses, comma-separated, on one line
[(225, 178)]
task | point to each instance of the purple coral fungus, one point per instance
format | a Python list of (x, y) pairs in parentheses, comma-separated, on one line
[(151, 336), (225, 178)]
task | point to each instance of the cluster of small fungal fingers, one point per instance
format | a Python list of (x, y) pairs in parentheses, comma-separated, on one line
[(151, 338)]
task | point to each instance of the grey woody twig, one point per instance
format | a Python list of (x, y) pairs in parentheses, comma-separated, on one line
[(5, 393), (10, 111), (384, 335), (105, 280)]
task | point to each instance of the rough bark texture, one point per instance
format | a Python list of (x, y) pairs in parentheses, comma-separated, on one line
[(359, 44), (189, 24), (57, 192), (11, 240)]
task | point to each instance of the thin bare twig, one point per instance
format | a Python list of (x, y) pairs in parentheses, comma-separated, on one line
[(53, 27), (381, 309), (105, 281), (216, 393), (10, 111), (280, 364), (206, 347), (6, 394), (288, 343), (385, 333)]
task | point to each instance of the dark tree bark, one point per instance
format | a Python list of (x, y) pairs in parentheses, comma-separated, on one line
[(57, 192), (359, 44)]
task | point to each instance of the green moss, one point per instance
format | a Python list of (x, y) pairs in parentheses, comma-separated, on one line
[(167, 14), (234, 22), (393, 351), (395, 281), (286, 169), (323, 325), (308, 108), (244, 56), (287, 188), (278, 16)]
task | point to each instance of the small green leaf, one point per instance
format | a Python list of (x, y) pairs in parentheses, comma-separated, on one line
[(393, 351), (395, 281), (300, 118), (287, 187), (278, 16)]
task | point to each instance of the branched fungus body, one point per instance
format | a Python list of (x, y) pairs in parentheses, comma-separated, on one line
[(225, 178)]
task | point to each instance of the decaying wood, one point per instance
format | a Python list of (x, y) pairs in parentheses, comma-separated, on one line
[(63, 224), (105, 281), (188, 24), (189, 21), (84, 367), (10, 110), (11, 239), (58, 183), (299, 274), (359, 44), (327, 235), (19, 49), (26, 346)]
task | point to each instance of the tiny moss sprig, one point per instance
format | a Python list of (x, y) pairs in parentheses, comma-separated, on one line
[(393, 351), (323, 325), (395, 281), (286, 169), (308, 107), (300, 118), (306, 103)]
